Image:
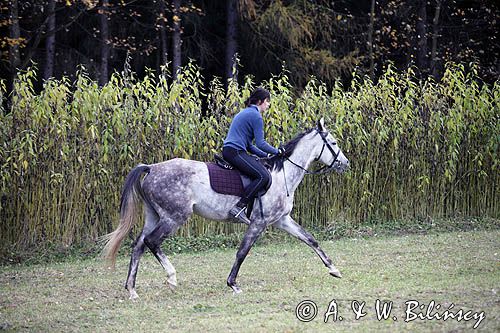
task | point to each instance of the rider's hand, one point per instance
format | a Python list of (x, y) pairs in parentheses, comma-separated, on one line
[(281, 151)]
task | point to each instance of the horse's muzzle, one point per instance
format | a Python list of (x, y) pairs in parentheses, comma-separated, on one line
[(341, 167)]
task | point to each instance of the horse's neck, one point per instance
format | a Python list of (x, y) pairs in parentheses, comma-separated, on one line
[(303, 155)]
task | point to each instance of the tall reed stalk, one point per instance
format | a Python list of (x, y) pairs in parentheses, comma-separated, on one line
[(418, 148)]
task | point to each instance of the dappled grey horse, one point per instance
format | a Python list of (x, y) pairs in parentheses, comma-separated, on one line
[(173, 190)]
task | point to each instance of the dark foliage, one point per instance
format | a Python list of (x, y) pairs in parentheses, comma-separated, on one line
[(326, 39)]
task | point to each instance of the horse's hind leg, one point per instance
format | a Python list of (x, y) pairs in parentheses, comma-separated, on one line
[(154, 240), (137, 251), (167, 265), (287, 224)]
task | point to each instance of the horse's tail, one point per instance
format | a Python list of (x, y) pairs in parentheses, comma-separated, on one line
[(129, 209)]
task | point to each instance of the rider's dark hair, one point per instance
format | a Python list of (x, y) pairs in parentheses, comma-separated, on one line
[(259, 94)]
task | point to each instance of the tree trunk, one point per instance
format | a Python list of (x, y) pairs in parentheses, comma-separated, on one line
[(435, 34), (104, 28), (422, 62), (163, 35), (50, 40), (231, 44), (15, 36), (176, 38), (370, 40)]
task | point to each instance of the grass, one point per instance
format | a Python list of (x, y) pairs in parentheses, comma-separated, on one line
[(81, 295), (50, 251)]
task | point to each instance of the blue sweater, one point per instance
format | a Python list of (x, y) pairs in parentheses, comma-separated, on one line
[(246, 127)]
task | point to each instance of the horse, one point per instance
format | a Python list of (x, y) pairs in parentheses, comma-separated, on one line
[(171, 191)]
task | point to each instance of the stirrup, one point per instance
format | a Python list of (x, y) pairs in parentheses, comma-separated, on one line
[(238, 214)]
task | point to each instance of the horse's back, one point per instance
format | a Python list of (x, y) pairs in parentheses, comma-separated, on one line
[(177, 170), (184, 185), (176, 165), (174, 176)]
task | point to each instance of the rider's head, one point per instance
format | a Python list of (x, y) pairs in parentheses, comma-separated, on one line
[(258, 96)]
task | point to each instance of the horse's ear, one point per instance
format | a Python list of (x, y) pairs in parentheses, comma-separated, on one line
[(321, 124)]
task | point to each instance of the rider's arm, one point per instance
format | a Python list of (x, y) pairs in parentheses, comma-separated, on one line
[(256, 151), (260, 142)]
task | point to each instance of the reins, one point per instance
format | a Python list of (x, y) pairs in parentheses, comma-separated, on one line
[(324, 169)]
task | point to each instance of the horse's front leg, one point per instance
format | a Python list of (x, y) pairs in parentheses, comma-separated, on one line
[(251, 235), (287, 224)]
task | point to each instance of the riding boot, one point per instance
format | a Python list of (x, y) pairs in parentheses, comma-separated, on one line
[(238, 214)]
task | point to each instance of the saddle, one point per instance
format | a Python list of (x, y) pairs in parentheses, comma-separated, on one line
[(226, 179)]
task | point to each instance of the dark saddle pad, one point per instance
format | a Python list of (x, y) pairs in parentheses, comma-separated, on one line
[(226, 181)]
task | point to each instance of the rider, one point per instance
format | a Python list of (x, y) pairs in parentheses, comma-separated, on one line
[(246, 127)]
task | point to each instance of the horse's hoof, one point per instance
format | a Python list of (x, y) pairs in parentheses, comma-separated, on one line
[(236, 290), (133, 295), (335, 273), (172, 283)]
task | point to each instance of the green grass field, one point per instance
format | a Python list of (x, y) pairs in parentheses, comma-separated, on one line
[(459, 268)]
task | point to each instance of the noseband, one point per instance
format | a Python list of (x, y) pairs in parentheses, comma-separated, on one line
[(323, 169)]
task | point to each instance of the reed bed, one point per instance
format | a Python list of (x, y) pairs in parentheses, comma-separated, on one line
[(418, 148)]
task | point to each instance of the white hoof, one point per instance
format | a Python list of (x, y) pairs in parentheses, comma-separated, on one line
[(236, 290), (133, 294), (335, 272), (172, 282)]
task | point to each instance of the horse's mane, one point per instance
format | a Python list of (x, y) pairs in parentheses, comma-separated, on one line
[(276, 162)]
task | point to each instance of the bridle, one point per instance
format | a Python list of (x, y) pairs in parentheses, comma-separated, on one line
[(324, 169)]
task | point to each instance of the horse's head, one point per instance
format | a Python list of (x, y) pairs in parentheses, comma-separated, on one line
[(328, 151)]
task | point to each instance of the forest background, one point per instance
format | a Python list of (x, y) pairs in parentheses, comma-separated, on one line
[(327, 39), (90, 89)]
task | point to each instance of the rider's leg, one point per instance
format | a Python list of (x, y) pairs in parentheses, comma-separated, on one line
[(251, 167)]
